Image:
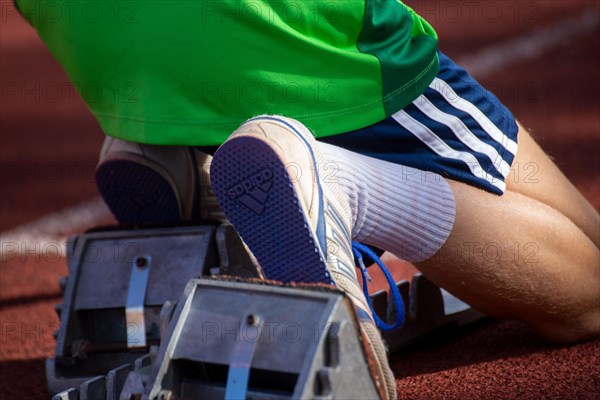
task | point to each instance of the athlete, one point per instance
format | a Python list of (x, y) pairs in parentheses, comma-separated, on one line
[(411, 154)]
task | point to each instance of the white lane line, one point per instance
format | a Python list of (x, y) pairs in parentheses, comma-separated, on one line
[(49, 233), (529, 46), (54, 228)]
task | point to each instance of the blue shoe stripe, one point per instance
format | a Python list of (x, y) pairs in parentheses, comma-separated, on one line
[(342, 243), (346, 270), (338, 220)]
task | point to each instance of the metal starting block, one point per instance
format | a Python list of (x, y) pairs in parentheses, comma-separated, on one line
[(239, 340), (124, 335), (118, 282), (427, 308)]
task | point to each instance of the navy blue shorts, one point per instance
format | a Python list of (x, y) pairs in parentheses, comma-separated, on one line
[(456, 129)]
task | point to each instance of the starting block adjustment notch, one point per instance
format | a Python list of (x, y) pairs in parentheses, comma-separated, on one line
[(239, 368), (111, 311), (136, 298)]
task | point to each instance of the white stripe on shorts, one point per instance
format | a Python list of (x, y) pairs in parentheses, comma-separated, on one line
[(462, 133), (441, 148), (461, 104)]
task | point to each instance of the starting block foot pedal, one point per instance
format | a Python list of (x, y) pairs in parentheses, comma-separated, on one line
[(119, 280), (230, 339)]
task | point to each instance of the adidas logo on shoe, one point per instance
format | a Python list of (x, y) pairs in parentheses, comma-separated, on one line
[(253, 192)]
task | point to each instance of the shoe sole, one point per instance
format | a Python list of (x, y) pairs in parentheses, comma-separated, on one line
[(136, 193), (257, 194)]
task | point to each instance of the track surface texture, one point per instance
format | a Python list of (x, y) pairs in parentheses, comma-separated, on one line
[(48, 149)]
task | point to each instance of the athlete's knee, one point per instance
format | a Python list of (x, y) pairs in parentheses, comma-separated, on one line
[(571, 328)]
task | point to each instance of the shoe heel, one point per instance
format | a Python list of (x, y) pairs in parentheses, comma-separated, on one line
[(136, 193)]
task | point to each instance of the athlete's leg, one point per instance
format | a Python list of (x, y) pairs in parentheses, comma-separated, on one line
[(509, 256), (529, 254)]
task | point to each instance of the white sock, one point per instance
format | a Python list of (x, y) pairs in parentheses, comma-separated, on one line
[(405, 211)]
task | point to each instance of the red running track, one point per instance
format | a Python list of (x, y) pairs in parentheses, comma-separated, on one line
[(49, 144)]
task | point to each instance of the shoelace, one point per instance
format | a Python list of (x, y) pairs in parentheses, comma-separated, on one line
[(359, 249)]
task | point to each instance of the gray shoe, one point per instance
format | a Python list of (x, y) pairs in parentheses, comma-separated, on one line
[(143, 183)]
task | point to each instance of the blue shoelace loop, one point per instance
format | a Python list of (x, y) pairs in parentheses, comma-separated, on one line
[(359, 249)]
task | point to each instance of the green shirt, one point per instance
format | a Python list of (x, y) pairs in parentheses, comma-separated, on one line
[(190, 72)]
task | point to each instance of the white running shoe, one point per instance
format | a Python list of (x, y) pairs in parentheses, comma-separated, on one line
[(267, 178)]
